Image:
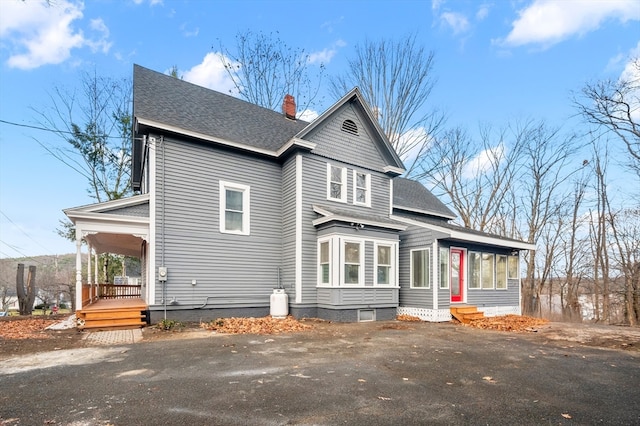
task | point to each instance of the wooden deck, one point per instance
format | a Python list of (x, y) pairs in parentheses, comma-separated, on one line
[(114, 313)]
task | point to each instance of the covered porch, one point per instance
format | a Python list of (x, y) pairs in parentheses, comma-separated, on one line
[(116, 227)]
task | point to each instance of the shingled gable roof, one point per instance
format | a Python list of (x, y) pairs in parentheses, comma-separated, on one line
[(168, 103), (355, 97), (412, 196)]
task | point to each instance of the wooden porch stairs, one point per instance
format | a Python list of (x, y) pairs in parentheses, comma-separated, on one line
[(466, 313), (113, 314)]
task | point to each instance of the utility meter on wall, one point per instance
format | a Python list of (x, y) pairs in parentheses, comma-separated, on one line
[(162, 273)]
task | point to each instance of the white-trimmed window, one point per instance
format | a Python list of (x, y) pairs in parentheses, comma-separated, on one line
[(514, 263), (353, 260), (361, 188), (234, 208), (420, 271), (324, 262), (488, 275), (384, 264), (501, 272), (475, 268), (336, 183), (444, 268)]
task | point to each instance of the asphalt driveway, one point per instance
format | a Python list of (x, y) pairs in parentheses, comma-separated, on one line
[(367, 373)]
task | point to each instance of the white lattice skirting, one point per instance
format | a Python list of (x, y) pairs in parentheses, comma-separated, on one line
[(495, 311), (431, 315)]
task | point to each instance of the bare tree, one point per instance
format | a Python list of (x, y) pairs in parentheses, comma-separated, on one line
[(263, 69), (396, 79), (614, 105), (26, 296), (96, 126)]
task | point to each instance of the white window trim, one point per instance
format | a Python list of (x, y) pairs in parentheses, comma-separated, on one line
[(428, 287), (331, 262), (362, 266), (470, 270), (493, 275), (343, 193), (441, 251), (506, 272), (367, 188), (392, 267), (246, 212), (517, 277)]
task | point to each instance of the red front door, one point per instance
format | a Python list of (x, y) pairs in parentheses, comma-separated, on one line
[(457, 275)]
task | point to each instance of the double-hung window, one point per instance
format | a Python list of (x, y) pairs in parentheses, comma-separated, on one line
[(324, 262), (336, 183), (234, 208), (361, 188), (352, 262), (474, 270), (384, 269), (420, 271)]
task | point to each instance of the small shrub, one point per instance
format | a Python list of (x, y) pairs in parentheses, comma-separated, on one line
[(167, 324)]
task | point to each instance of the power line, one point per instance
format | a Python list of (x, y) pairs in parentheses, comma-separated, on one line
[(23, 255), (27, 235), (44, 129)]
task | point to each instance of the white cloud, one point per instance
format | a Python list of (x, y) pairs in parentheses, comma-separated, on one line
[(325, 55), (631, 74), (547, 22), (308, 115), (151, 2), (483, 12), (482, 162), (212, 74), (188, 32), (456, 21), (38, 34), (436, 4)]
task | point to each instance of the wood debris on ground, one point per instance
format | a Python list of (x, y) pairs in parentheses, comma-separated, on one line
[(508, 323), (31, 328), (265, 325), (409, 318)]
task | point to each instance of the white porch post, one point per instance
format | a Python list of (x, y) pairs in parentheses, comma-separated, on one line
[(78, 272), (95, 265), (89, 264)]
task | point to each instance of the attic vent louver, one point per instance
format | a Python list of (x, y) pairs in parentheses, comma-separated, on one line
[(350, 127)]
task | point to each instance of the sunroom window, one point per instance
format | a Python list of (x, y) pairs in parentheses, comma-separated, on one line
[(420, 271), (352, 261)]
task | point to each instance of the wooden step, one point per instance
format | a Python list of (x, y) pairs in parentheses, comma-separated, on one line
[(111, 322), (96, 315), (465, 313)]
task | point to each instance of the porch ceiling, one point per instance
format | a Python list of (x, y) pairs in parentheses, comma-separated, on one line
[(125, 244)]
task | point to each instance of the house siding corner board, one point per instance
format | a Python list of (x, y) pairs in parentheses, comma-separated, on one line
[(188, 228), (289, 227), (332, 142)]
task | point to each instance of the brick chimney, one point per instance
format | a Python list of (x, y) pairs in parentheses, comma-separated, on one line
[(289, 107)]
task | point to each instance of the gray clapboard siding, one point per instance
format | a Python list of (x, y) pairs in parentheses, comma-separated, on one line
[(357, 297), (336, 144), (227, 268), (509, 297), (414, 238)]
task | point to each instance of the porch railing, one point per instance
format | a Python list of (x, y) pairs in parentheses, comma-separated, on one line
[(119, 291), (89, 294)]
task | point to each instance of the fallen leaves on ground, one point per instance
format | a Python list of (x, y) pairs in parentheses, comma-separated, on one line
[(508, 323), (405, 317), (265, 325), (31, 328)]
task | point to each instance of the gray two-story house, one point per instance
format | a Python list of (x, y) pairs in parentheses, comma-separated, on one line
[(236, 200)]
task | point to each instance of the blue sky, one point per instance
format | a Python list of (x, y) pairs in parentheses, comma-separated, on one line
[(495, 61)]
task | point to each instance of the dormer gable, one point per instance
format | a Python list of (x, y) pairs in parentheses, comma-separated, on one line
[(348, 132)]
